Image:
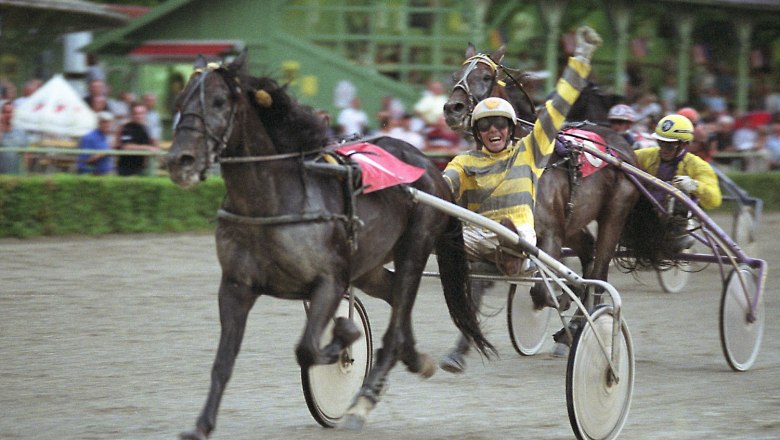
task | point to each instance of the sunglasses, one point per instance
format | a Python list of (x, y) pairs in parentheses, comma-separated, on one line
[(499, 122), (667, 146)]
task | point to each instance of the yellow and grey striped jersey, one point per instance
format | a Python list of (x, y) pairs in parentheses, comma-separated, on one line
[(503, 184)]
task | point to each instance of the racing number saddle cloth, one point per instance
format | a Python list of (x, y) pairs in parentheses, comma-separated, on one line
[(379, 169), (588, 163)]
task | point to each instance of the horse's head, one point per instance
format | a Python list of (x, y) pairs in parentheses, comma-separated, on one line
[(480, 77), (474, 82), (207, 109)]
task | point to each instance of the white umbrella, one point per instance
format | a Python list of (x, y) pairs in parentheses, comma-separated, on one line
[(55, 109)]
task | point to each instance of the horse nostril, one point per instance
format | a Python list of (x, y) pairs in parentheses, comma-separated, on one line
[(186, 160), (454, 107)]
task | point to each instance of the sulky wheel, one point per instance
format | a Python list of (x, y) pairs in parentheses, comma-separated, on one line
[(598, 404), (744, 227), (527, 326), (740, 334), (674, 279), (329, 389)]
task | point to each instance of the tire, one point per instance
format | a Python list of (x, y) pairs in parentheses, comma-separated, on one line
[(674, 279), (329, 389), (744, 226), (598, 407), (527, 326), (739, 338)]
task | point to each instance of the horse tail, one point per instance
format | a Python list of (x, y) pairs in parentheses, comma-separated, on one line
[(453, 266), (644, 239)]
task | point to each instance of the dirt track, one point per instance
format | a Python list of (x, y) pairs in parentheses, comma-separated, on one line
[(114, 337)]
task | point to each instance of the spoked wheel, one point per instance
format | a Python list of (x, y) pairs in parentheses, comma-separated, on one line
[(598, 404), (744, 226), (740, 334), (329, 389), (673, 280), (527, 326)]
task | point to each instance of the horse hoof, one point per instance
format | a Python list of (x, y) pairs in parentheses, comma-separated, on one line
[(454, 362), (564, 302), (560, 350), (427, 366), (352, 422), (345, 332), (192, 435), (541, 299)]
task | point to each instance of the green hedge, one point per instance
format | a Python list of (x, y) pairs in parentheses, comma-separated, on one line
[(85, 205), (67, 204), (765, 186)]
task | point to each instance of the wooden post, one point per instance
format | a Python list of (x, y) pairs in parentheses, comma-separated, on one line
[(620, 17), (551, 12), (684, 25), (744, 32)]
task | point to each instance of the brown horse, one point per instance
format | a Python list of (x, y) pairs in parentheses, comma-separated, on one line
[(567, 202), (291, 230)]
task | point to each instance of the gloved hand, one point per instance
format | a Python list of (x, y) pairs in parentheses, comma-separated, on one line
[(685, 184), (587, 42)]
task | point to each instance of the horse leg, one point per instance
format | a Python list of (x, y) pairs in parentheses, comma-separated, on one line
[(324, 301), (377, 283), (550, 241), (235, 302), (398, 340)]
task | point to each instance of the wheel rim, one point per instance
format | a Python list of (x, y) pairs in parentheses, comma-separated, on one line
[(740, 338), (674, 279), (743, 227), (598, 406), (329, 389), (527, 326)]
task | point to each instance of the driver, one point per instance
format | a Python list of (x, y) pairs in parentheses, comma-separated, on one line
[(671, 162), (498, 179)]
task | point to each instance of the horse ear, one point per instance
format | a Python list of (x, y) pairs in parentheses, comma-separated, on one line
[(238, 64), (498, 55), (200, 63), (471, 50)]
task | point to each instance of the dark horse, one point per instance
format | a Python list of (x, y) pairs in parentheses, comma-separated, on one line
[(290, 231), (566, 203)]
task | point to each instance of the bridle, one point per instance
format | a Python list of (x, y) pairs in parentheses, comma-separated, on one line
[(495, 68), (220, 141)]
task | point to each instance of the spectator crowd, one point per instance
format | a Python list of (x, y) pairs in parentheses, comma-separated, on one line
[(132, 124), (124, 123)]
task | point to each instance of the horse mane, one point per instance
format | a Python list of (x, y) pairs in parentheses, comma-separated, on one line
[(291, 125)]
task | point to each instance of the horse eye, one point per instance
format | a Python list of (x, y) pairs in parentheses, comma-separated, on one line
[(487, 78), (218, 102)]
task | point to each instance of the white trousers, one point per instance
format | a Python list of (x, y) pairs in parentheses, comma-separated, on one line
[(483, 245)]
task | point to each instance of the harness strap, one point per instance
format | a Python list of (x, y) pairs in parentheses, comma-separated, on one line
[(315, 216)]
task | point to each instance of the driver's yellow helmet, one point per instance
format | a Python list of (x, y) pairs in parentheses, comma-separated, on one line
[(493, 107), (674, 128)]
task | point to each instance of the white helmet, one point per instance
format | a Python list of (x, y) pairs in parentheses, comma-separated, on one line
[(493, 107), (621, 112)]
